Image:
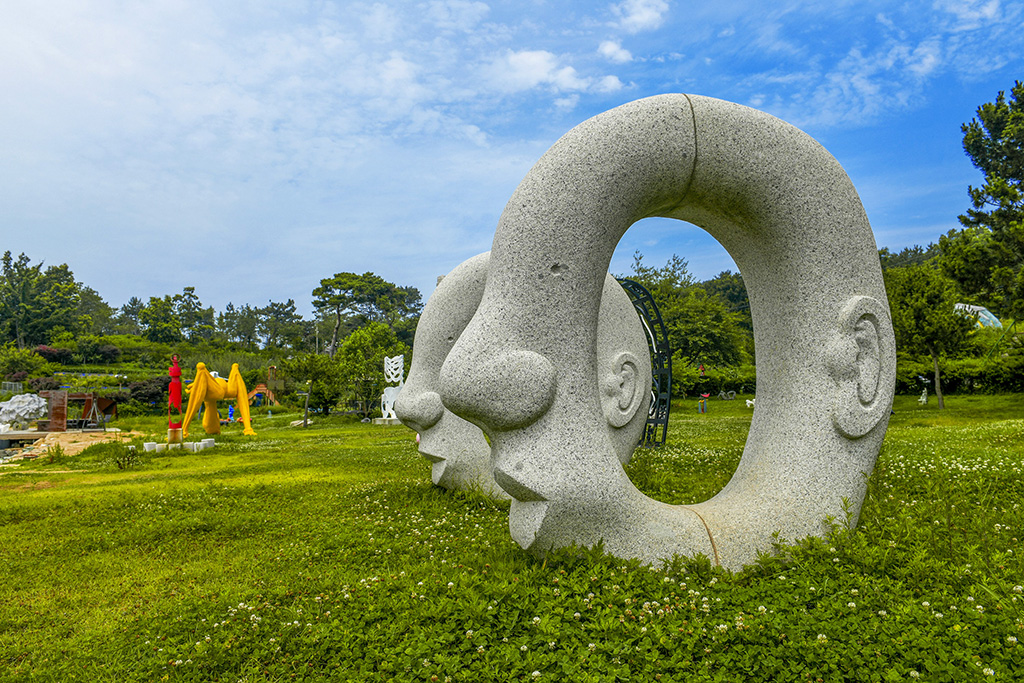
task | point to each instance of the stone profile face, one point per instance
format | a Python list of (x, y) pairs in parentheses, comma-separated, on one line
[(459, 452), (523, 369)]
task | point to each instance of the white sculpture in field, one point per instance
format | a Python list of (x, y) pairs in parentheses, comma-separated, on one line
[(524, 368), (394, 371), (22, 409)]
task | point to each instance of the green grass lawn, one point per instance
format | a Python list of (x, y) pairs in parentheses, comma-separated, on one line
[(325, 554)]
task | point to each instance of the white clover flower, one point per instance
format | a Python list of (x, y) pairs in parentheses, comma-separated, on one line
[(536, 674), (523, 648), (988, 672), (851, 604), (882, 613), (1018, 589), (914, 674), (822, 638), (762, 609), (536, 620), (926, 604), (1012, 640)]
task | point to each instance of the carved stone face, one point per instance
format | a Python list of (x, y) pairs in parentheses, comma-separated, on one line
[(525, 371), (458, 449)]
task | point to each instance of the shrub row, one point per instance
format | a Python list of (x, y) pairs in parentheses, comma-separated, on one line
[(994, 375), (687, 380), (997, 374)]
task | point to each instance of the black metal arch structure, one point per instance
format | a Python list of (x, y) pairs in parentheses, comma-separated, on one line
[(656, 429)]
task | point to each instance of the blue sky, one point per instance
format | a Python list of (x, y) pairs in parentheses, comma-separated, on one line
[(250, 149)]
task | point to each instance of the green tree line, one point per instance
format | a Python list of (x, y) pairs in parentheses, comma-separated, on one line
[(50, 322)]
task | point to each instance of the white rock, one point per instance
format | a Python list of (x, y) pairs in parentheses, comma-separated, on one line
[(22, 409)]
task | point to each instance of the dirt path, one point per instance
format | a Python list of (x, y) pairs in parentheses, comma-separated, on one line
[(74, 443)]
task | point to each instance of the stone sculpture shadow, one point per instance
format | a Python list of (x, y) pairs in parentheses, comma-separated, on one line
[(523, 369), (459, 452)]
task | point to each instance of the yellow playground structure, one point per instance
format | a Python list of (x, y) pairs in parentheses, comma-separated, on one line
[(207, 389)]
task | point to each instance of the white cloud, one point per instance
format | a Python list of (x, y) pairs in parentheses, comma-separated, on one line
[(381, 23), (640, 15), (609, 84), (926, 58), (527, 69), (865, 85), (970, 14), (567, 103), (613, 51), (397, 71), (457, 15)]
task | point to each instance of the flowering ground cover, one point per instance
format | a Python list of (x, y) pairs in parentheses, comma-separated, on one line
[(325, 554)]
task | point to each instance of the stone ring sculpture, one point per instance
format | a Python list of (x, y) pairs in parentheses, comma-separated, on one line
[(792, 221), (459, 452)]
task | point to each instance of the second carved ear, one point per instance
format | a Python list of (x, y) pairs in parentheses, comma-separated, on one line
[(862, 362), (622, 388)]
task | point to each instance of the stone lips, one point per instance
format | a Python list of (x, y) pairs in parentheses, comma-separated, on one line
[(791, 219)]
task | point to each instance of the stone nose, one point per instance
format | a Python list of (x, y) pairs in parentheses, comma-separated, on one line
[(419, 410)]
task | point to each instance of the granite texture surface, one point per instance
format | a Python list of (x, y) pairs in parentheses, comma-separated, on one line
[(525, 371)]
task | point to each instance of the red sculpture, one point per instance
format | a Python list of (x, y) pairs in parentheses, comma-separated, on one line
[(174, 395)]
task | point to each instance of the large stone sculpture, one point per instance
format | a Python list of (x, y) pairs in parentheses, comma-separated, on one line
[(523, 369), (458, 450)]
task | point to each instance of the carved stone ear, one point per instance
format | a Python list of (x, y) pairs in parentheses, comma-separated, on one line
[(622, 391), (862, 361)]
